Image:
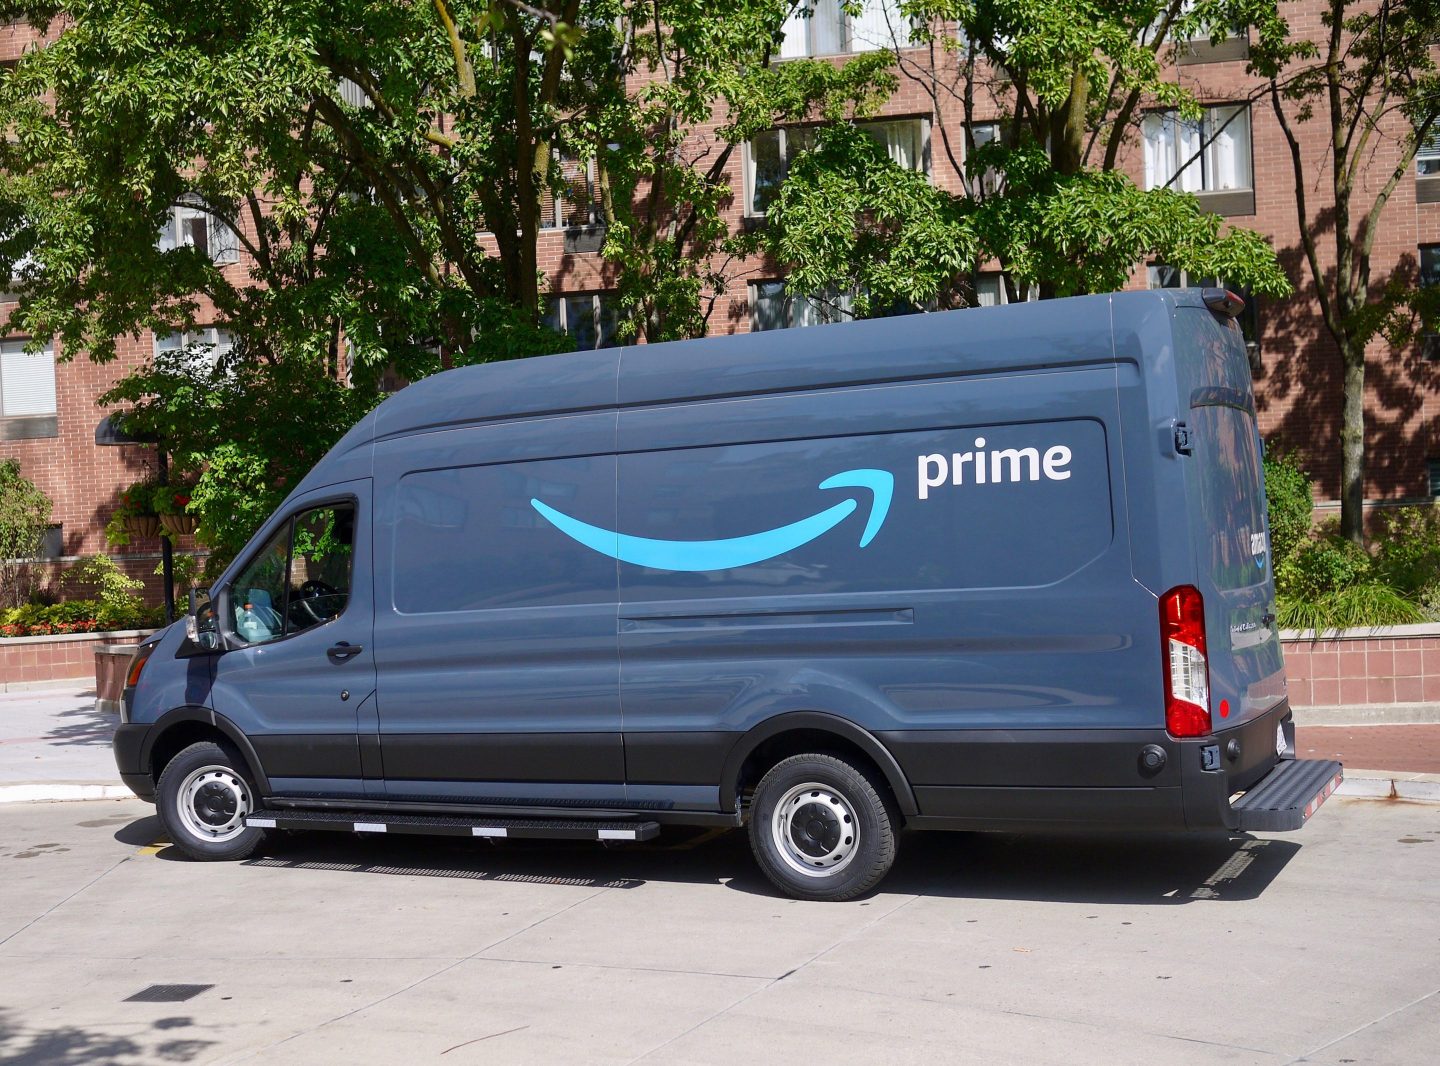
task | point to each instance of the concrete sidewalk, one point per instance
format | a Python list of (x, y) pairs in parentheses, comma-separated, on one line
[(55, 745)]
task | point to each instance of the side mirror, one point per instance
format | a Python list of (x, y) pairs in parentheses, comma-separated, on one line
[(202, 633)]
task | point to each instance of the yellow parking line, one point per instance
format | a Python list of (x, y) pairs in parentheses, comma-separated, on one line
[(154, 849)]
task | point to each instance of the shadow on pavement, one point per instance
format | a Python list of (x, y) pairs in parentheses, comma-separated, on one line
[(70, 1045), (84, 725), (1161, 870)]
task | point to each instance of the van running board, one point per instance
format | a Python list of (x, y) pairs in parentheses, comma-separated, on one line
[(1288, 795), (438, 825)]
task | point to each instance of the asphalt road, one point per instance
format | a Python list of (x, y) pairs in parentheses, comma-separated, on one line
[(1322, 947)]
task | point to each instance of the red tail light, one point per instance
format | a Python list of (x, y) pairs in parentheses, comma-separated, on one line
[(1187, 673)]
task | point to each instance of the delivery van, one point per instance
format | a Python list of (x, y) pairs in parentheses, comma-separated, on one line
[(992, 569)]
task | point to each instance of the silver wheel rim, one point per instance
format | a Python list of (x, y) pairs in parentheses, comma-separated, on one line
[(815, 830), (213, 802)]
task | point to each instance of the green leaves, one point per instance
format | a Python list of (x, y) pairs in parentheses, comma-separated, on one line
[(850, 218)]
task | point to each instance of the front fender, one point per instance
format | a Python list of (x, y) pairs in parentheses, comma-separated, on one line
[(194, 713)]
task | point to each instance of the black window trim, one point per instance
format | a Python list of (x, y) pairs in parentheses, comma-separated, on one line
[(224, 615)]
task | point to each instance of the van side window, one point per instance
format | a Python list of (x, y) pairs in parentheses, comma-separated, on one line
[(301, 578)]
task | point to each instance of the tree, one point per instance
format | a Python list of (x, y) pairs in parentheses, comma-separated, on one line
[(354, 151), (24, 519), (383, 168), (1371, 85), (1045, 200)]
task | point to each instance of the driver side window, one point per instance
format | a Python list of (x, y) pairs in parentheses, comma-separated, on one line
[(301, 578)]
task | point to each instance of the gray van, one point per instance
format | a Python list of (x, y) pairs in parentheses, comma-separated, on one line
[(1000, 569)]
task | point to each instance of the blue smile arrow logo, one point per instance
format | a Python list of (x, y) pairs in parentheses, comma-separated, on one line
[(697, 555)]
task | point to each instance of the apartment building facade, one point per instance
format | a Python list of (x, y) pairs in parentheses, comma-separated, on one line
[(1234, 159)]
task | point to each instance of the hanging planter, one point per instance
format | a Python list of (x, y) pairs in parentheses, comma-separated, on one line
[(141, 525), (179, 525)]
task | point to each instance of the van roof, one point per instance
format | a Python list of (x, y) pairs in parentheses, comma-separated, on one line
[(1050, 333)]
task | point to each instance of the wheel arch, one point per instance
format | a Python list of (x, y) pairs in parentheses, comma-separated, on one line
[(796, 732), (180, 727)]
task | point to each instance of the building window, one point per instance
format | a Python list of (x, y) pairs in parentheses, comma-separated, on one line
[(579, 205), (1432, 467), (983, 133), (352, 94), (1208, 154), (589, 317), (771, 307), (767, 157), (822, 28), (1427, 155), (1430, 264), (990, 289), (1430, 275), (191, 225), (27, 382), (206, 347)]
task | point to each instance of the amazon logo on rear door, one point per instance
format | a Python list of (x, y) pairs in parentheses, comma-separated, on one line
[(877, 487)]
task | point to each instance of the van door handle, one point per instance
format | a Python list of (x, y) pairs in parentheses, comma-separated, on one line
[(340, 652), (1268, 618)]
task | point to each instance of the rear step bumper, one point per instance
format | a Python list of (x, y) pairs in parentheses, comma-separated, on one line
[(1288, 795), (438, 825)]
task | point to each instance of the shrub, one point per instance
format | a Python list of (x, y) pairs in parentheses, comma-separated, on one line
[(116, 590), (24, 518), (73, 616), (1370, 603), (1290, 501), (1407, 552), (1321, 566)]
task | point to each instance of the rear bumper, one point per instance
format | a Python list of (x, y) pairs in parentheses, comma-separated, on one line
[(1087, 779)]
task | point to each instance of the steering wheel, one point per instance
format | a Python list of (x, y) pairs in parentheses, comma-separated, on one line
[(312, 590)]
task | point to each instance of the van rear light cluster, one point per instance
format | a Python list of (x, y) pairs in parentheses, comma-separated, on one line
[(1187, 674)]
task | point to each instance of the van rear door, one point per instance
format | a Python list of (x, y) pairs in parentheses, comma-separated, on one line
[(1225, 491)]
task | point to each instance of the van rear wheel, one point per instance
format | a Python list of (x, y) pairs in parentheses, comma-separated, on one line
[(202, 799), (821, 829)]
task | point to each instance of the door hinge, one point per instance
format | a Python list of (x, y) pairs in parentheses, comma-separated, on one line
[(1182, 438)]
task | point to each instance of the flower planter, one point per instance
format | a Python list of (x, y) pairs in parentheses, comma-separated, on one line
[(179, 524), (27, 660), (112, 663), (142, 525)]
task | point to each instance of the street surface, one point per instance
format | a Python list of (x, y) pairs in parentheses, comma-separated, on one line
[(1319, 947)]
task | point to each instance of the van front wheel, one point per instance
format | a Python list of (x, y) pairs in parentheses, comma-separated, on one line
[(821, 829), (202, 799)]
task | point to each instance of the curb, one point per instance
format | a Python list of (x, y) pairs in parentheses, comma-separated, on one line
[(80, 685), (1357, 714), (57, 793), (1390, 784)]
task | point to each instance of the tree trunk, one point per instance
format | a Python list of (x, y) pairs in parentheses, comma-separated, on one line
[(1352, 444)]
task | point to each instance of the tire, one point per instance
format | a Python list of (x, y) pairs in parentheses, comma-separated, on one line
[(822, 829), (202, 798)]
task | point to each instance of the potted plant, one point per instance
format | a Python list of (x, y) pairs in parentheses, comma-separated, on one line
[(171, 502), (136, 515)]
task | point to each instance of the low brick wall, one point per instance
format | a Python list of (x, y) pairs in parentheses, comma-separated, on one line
[(56, 658), (1353, 667)]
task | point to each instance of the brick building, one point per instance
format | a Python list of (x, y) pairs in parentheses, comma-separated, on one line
[(1243, 172)]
